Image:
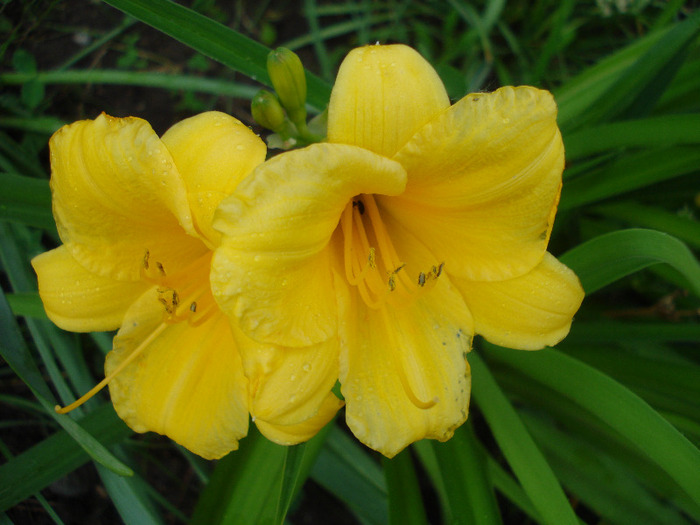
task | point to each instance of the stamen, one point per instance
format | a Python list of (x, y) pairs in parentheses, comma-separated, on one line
[(151, 337), (370, 259), (403, 378)]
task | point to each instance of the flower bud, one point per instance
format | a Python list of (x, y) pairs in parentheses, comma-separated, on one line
[(289, 81), (267, 111)]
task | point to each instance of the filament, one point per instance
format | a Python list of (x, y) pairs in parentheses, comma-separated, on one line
[(99, 386)]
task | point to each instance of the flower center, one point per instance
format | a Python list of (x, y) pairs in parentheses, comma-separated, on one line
[(374, 267), (185, 296), (371, 261)]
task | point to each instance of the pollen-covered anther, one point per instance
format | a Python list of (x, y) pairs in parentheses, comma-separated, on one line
[(152, 271), (371, 261)]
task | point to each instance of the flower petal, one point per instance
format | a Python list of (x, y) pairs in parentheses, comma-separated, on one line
[(484, 182), (396, 353), (382, 96), (213, 152), (528, 312), (293, 434), (272, 271), (117, 194), (78, 300), (187, 383), (288, 385)]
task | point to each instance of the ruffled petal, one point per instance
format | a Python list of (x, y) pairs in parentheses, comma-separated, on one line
[(293, 434), (382, 96), (484, 183), (396, 361), (78, 300), (272, 271), (117, 195), (289, 386), (187, 383), (213, 152), (529, 312)]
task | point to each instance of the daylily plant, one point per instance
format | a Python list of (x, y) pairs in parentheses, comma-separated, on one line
[(416, 225), (134, 212)]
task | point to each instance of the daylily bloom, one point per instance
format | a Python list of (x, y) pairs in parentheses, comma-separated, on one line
[(134, 212), (417, 225)]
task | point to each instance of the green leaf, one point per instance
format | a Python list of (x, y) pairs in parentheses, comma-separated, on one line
[(16, 354), (629, 172), (613, 404), (610, 257), (526, 460), (214, 40), (245, 484), (683, 227), (23, 61), (466, 479), (345, 469), (581, 467), (26, 200), (32, 93), (56, 456), (405, 500), (664, 130), (256, 483), (297, 464), (632, 84)]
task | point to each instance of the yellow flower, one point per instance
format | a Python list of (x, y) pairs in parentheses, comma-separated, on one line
[(417, 225), (134, 212)]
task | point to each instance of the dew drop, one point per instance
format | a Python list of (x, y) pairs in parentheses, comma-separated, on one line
[(306, 367)]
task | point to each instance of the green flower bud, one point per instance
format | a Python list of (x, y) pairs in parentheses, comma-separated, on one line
[(289, 81), (267, 111)]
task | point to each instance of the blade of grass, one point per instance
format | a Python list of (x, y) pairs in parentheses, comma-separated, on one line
[(664, 130), (16, 354), (405, 500), (527, 462), (56, 456), (682, 227), (581, 467), (214, 40), (613, 404), (244, 486), (466, 479), (629, 172), (297, 464), (136, 78), (608, 258), (347, 471), (26, 200), (643, 72)]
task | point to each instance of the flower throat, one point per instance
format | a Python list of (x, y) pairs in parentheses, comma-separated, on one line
[(370, 259), (182, 297)]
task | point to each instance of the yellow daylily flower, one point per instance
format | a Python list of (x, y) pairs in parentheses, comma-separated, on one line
[(417, 225), (134, 212)]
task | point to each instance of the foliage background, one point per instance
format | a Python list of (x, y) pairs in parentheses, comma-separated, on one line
[(604, 429)]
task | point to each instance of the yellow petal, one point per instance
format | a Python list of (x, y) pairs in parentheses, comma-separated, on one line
[(293, 434), (78, 300), (382, 96), (272, 271), (397, 361), (528, 312), (187, 383), (288, 385), (117, 194), (213, 152), (484, 182)]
